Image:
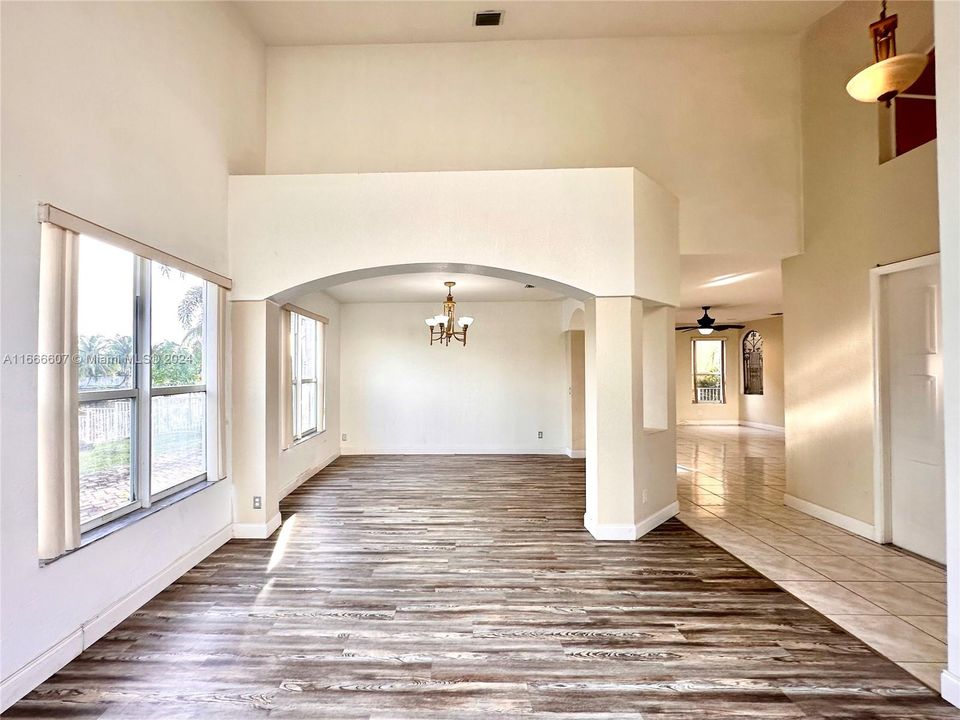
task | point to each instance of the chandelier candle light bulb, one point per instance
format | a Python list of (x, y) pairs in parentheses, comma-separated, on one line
[(442, 327)]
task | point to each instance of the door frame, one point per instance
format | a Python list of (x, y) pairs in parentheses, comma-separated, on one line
[(882, 524)]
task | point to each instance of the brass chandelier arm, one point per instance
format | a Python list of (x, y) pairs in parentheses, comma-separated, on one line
[(444, 336), (443, 327)]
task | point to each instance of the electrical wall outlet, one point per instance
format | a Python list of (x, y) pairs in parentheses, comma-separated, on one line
[(257, 502), (643, 495), (343, 437), (540, 435)]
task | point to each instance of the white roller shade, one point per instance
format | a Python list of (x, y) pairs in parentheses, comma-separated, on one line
[(68, 221)]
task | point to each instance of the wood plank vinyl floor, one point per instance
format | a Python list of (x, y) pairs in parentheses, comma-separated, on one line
[(465, 587)]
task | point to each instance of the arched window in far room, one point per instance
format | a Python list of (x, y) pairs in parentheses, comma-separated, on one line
[(753, 363)]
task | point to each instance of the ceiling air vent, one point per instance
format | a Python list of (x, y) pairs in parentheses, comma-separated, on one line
[(488, 18)]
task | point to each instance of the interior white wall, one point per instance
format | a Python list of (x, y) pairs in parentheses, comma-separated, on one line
[(494, 395), (131, 115), (578, 228), (766, 409), (947, 16), (715, 120), (857, 214), (304, 459)]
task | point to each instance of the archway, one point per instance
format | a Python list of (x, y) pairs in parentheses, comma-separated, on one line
[(364, 273), (604, 237)]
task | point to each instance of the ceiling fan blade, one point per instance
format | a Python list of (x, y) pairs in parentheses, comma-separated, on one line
[(729, 327)]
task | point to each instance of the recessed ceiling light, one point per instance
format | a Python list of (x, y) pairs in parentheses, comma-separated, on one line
[(488, 18)]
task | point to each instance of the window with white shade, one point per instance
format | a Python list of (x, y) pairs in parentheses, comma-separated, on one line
[(142, 347), (306, 376), (129, 367)]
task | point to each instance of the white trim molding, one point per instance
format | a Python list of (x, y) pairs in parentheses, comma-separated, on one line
[(256, 531), (626, 531), (845, 522), (347, 449), (950, 687), (53, 659), (727, 423), (306, 475), (763, 426), (39, 669)]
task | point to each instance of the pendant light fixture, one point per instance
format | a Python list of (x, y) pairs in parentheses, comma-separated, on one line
[(443, 327), (890, 73)]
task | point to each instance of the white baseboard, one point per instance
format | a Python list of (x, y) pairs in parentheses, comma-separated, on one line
[(256, 531), (762, 426), (306, 475), (574, 453), (627, 531), (858, 527), (50, 661), (727, 423), (950, 687), (346, 449), (39, 669)]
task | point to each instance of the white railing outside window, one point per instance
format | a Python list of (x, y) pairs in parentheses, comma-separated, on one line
[(708, 395)]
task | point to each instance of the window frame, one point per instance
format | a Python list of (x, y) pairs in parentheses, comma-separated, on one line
[(746, 389), (172, 390), (142, 391), (721, 374), (318, 379)]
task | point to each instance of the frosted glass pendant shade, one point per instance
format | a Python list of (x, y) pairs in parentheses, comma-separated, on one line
[(883, 81), (465, 321), (431, 321), (705, 331)]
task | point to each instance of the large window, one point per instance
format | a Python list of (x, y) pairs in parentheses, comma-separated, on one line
[(753, 363), (142, 349), (306, 387), (708, 371)]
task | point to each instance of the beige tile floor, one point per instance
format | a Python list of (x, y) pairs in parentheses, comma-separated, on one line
[(730, 482)]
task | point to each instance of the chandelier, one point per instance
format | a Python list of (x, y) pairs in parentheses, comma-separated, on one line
[(443, 327), (890, 73)]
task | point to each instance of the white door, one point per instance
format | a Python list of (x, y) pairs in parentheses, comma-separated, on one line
[(914, 432)]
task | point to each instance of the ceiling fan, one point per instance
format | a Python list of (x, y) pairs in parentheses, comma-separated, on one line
[(706, 324)]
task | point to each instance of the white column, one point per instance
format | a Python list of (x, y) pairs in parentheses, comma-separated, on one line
[(631, 471), (947, 30), (255, 435)]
